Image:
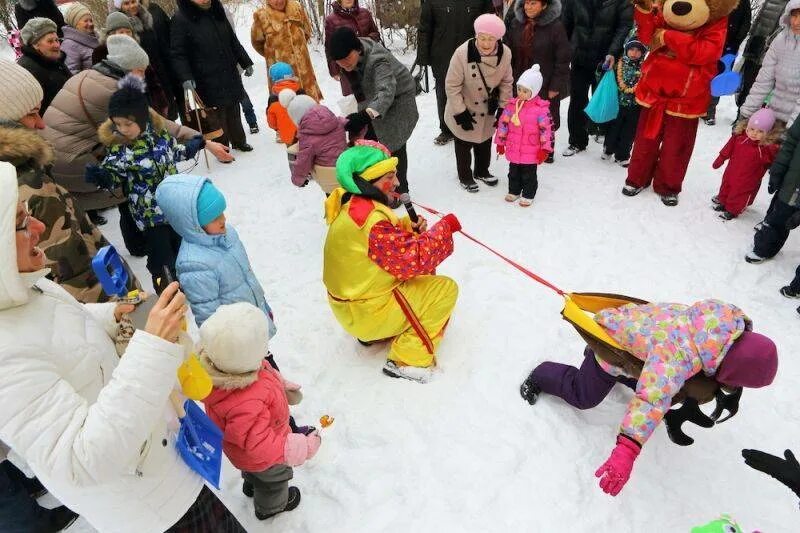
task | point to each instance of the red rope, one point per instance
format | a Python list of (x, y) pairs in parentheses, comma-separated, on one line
[(501, 256)]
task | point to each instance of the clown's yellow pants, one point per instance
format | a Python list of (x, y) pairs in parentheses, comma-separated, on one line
[(415, 314)]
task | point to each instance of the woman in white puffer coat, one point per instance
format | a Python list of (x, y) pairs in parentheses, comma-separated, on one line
[(97, 430)]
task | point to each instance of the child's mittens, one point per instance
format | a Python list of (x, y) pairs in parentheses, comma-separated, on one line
[(194, 145), (292, 389), (98, 176), (616, 471), (501, 149), (718, 162), (299, 448), (542, 156)]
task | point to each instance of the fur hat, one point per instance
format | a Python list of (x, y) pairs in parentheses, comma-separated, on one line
[(234, 339), (280, 71), (75, 13), (19, 91), (531, 79), (130, 101), (343, 41), (125, 52), (297, 106), (117, 20), (751, 361), (490, 24), (35, 29), (763, 119)]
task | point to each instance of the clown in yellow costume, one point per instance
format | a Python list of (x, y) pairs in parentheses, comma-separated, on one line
[(379, 269)]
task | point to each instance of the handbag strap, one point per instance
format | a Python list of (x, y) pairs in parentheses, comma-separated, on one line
[(485, 85), (83, 104)]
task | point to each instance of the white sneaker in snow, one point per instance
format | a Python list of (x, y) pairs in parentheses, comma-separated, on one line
[(605, 157), (572, 150), (754, 259), (622, 162), (411, 373)]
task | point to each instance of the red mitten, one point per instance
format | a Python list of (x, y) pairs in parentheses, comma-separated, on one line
[(717, 162), (616, 471), (542, 156), (501, 149), (453, 222)]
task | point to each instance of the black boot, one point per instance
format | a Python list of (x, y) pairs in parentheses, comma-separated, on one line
[(529, 390), (54, 520), (247, 489), (291, 504)]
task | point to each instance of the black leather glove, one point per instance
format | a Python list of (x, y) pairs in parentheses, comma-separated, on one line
[(99, 176), (786, 471), (357, 122), (465, 120)]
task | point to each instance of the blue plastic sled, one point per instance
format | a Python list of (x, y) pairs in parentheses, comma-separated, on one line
[(200, 443), (110, 271), (604, 105), (729, 81)]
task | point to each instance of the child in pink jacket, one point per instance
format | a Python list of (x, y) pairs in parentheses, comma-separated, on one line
[(249, 404), (524, 135), (320, 140), (750, 152)]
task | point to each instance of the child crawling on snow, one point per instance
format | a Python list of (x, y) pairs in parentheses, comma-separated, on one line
[(249, 405), (750, 152), (524, 135), (675, 342)]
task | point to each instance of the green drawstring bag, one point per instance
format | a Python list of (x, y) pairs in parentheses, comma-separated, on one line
[(604, 104)]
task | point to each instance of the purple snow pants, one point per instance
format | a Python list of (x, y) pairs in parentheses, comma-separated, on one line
[(583, 387)]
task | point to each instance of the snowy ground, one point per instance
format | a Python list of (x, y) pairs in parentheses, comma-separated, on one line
[(465, 453)]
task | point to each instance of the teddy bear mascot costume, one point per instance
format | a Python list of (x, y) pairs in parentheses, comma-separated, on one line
[(686, 40), (379, 269)]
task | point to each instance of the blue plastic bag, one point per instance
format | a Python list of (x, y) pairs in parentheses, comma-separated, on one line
[(728, 82), (200, 443), (604, 105)]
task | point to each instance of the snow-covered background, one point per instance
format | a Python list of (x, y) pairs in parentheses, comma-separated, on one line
[(465, 452)]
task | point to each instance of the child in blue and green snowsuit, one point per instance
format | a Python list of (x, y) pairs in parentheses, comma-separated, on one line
[(140, 154), (619, 139)]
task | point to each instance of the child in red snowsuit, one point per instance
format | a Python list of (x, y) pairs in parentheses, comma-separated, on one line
[(249, 404), (750, 151)]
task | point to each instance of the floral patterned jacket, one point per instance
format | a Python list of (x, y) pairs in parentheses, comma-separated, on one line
[(675, 342)]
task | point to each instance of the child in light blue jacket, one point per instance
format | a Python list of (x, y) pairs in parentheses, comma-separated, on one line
[(212, 264)]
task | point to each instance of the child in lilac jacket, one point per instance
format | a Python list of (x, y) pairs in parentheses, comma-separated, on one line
[(320, 139), (524, 135), (674, 342)]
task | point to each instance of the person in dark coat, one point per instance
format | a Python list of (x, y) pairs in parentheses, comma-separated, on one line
[(765, 26), (597, 30), (536, 36), (25, 10), (42, 57), (205, 54), (444, 25), (783, 214), (359, 19), (385, 92), (738, 26)]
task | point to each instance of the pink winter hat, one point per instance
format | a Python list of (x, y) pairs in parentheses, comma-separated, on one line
[(763, 119), (491, 24), (752, 361)]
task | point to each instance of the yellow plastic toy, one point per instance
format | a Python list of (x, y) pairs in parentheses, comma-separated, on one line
[(195, 381)]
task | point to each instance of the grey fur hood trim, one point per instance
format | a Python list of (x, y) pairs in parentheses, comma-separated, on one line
[(551, 13), (227, 381)]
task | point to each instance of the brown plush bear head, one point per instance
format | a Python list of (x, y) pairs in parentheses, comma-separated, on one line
[(687, 15)]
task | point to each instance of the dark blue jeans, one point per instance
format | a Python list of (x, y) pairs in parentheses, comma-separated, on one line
[(18, 511), (248, 111)]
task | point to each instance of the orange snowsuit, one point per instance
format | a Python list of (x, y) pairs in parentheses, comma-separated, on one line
[(277, 116)]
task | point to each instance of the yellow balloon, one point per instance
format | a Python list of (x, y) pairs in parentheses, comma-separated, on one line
[(195, 381)]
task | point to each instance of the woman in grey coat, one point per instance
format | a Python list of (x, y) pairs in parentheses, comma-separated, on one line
[(778, 82), (384, 90)]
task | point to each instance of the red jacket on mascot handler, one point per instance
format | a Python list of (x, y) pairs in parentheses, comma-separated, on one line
[(379, 269), (686, 41)]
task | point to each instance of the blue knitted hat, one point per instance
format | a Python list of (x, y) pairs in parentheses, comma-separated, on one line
[(210, 204), (280, 71)]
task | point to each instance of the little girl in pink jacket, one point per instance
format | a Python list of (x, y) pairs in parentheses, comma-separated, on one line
[(524, 135), (250, 406)]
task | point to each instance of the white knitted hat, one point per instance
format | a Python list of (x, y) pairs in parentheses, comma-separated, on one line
[(126, 53), (299, 106), (19, 91), (235, 337), (531, 79)]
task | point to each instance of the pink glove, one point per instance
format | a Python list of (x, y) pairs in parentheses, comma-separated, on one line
[(314, 441), (616, 471), (295, 451), (288, 385), (292, 389)]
